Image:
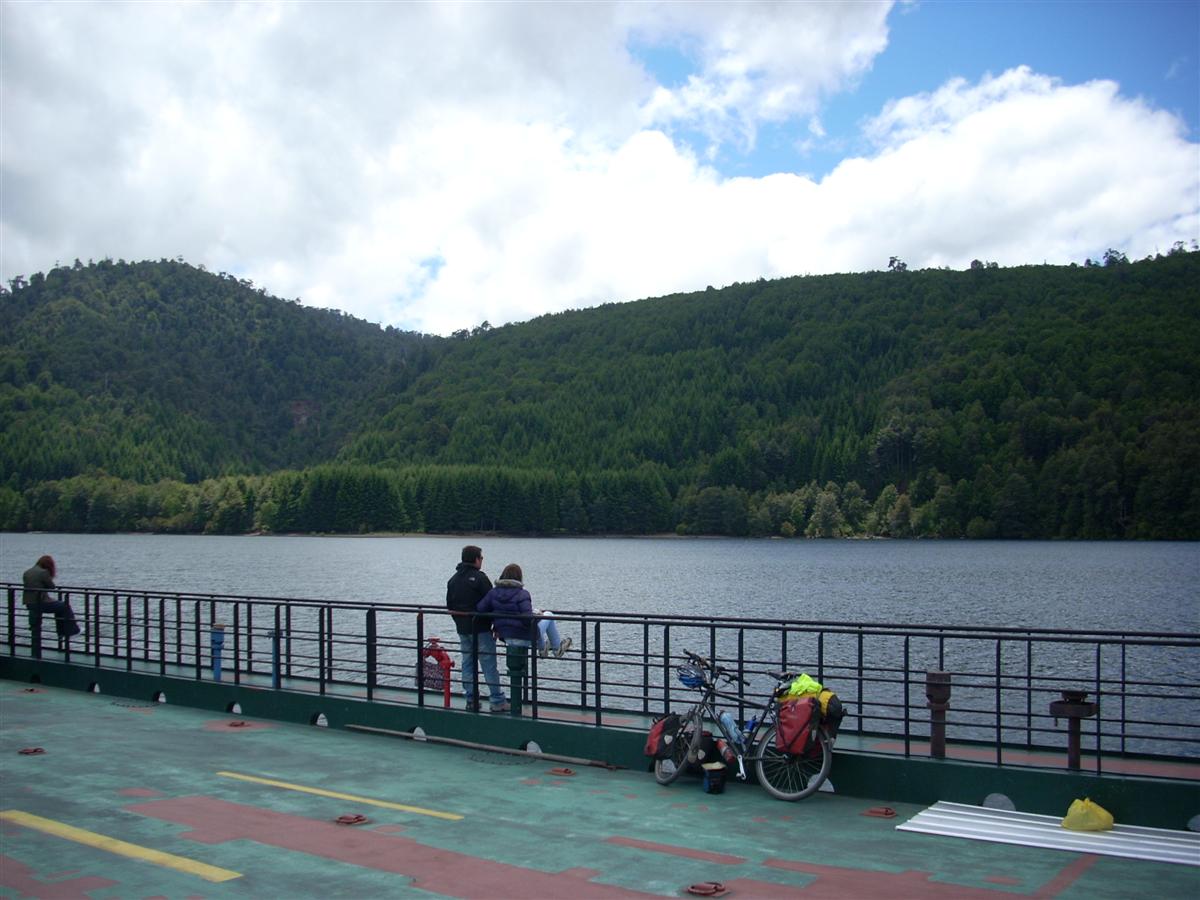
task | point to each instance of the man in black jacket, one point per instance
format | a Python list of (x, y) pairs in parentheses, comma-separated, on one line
[(464, 590)]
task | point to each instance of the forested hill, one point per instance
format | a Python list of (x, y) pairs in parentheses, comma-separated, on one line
[(1029, 402), (161, 370)]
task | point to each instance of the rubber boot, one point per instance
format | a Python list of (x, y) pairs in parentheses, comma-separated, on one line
[(517, 661)]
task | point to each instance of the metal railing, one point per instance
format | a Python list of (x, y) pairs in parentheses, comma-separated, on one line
[(992, 688)]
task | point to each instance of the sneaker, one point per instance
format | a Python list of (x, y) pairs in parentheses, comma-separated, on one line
[(500, 707), (543, 652), (563, 648)]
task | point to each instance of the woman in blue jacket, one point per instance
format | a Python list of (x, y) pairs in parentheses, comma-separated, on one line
[(514, 623)]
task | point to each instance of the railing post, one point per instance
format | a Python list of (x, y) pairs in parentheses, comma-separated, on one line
[(583, 655), (645, 668), (598, 673), (237, 643), (371, 657), (329, 655), (907, 701), (196, 643), (741, 670), (145, 628), (421, 665), (12, 621), (862, 719), (93, 621), (162, 635), (1028, 692), (937, 692), (275, 679), (128, 632), (249, 638), (666, 668), (999, 701), (321, 672)]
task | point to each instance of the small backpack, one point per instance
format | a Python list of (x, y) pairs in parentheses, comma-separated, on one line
[(796, 722), (662, 735)]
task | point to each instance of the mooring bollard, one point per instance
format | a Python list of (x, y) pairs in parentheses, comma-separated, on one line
[(1073, 707), (937, 692), (218, 643)]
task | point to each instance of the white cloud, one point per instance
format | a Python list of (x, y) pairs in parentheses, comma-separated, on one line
[(433, 166)]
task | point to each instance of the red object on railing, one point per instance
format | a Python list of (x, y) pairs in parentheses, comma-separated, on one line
[(435, 651)]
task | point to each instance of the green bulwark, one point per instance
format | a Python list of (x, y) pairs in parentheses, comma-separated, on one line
[(1154, 802)]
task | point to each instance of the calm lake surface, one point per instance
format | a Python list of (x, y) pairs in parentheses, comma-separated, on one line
[(1107, 586)]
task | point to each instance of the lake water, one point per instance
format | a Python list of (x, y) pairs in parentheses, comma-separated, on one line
[(1106, 586)]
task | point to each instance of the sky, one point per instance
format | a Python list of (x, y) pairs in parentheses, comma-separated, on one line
[(435, 166)]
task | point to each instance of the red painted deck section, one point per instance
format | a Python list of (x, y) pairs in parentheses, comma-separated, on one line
[(431, 869), (14, 874), (721, 858)]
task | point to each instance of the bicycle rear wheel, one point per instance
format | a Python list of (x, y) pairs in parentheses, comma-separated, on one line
[(683, 749), (793, 776)]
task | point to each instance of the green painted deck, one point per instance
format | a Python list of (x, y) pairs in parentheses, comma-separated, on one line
[(134, 799)]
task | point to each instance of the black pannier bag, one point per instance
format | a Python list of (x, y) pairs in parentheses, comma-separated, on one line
[(662, 736)]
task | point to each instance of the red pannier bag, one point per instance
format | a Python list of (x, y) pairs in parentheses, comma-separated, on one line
[(797, 721), (662, 735)]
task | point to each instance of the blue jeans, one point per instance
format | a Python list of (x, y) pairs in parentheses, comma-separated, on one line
[(487, 661), (548, 634)]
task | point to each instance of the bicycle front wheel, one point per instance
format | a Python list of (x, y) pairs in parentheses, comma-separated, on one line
[(793, 776), (683, 749)]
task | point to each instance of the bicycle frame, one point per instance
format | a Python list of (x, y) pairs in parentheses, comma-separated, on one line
[(706, 707)]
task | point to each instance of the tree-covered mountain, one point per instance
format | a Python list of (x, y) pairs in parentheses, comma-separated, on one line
[(161, 370), (1038, 401)]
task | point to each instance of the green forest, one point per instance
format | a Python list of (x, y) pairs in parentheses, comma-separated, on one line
[(1027, 402)]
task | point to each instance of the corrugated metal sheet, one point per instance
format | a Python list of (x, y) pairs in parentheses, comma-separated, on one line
[(1006, 827)]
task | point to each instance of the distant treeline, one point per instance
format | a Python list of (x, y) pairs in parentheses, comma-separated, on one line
[(366, 499), (1039, 401)]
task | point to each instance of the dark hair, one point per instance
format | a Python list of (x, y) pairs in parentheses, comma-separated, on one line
[(471, 553), (47, 563), (512, 572)]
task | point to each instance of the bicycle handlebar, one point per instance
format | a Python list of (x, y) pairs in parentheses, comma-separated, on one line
[(714, 668)]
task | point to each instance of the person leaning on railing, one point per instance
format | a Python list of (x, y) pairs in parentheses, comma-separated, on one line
[(38, 582), (466, 587)]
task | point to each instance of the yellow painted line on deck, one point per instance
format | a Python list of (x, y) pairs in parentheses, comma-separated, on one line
[(120, 848), (321, 792)]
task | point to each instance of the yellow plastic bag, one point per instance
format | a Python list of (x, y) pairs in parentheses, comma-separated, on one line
[(1084, 815)]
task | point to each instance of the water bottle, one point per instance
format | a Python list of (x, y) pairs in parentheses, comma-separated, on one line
[(731, 729), (749, 730)]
